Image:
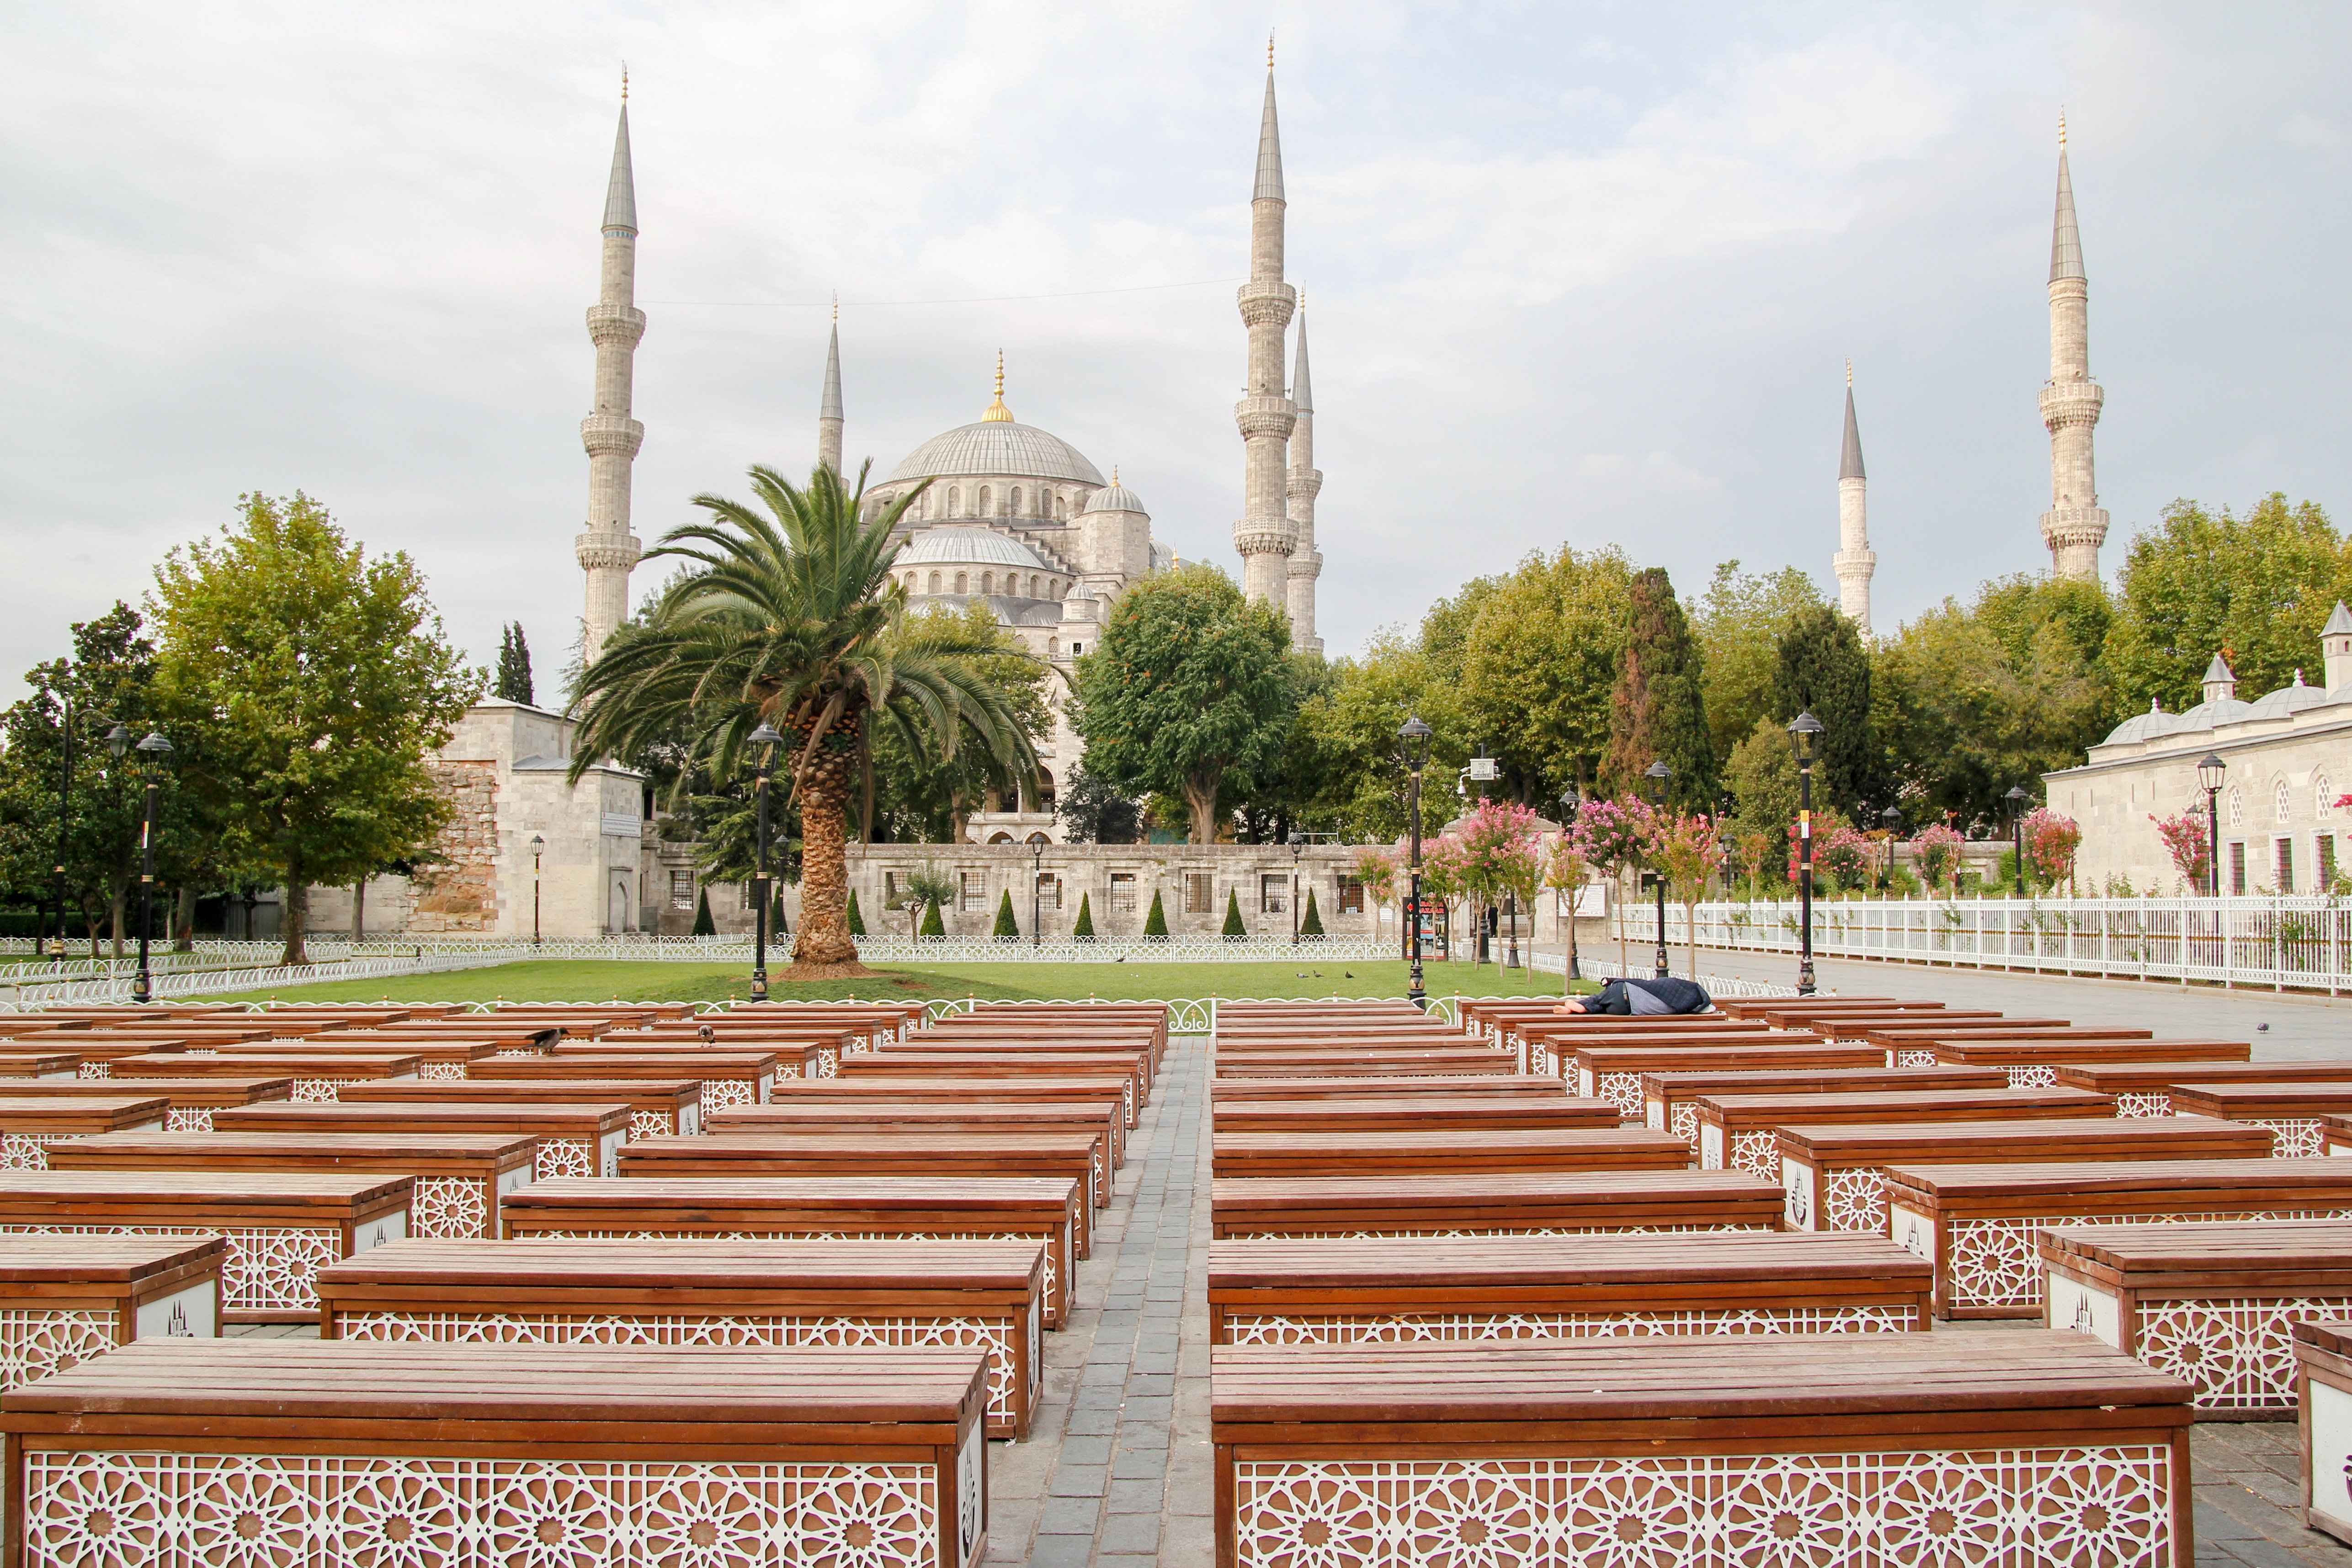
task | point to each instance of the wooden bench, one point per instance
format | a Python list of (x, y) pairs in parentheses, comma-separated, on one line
[(318, 1076), (1346, 1153), (659, 1107), (1484, 1086), (2323, 1353), (1410, 1113), (1545, 1047), (797, 1056), (64, 1299), (1108, 1093), (459, 1176), (1556, 1203), (1011, 1036), (981, 1295), (572, 1140), (2294, 1113), (435, 1058), (1100, 1121), (2035, 1063), (2145, 1088), (282, 1227), (1742, 1131), (349, 1452), (1670, 1100), (29, 1126), (1748, 1450), (794, 1208), (1421, 1064), (908, 1065), (1615, 1072), (190, 1101), (2211, 1303), (1981, 1225), (727, 1077), (1758, 1006), (1282, 1291), (1835, 1176)]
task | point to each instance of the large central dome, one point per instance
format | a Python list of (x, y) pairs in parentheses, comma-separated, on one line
[(998, 446)]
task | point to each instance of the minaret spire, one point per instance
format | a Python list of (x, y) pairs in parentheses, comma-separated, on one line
[(2076, 525), (1306, 479), (828, 412), (1265, 535), (608, 550), (1856, 562)]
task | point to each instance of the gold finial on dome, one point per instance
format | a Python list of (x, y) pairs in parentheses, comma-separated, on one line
[(2062, 131), (997, 412), (1849, 372), (625, 82), (1114, 476), (1269, 49)]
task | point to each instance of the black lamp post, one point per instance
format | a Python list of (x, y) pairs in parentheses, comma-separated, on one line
[(152, 750), (766, 739), (1891, 819), (1416, 738), (1037, 893), (1659, 775), (2208, 779), (1804, 727), (1297, 848), (1570, 802), (65, 810), (538, 844), (2017, 798)]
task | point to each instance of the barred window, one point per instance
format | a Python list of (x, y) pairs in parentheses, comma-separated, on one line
[(975, 890), (1273, 888), (2283, 852), (2284, 803), (1122, 892), (1200, 892), (2323, 798), (2238, 866), (681, 890), (1049, 890), (2326, 845), (1352, 895)]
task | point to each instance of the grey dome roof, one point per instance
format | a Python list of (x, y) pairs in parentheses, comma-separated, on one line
[(969, 547), (2213, 715), (2288, 700), (2143, 726), (998, 446), (1115, 498)]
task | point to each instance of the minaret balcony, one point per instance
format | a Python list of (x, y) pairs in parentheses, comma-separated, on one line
[(1274, 416), (2070, 402), (1265, 535), (615, 325), (1266, 302), (1304, 484), (603, 433), (2074, 525), (606, 551)]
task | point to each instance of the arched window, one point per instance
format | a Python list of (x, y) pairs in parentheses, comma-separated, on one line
[(983, 500), (988, 582), (960, 580), (2323, 798), (934, 582), (2285, 804), (910, 582), (1035, 583), (1015, 507), (955, 499), (1061, 509), (1000, 838), (2237, 809), (1052, 647)]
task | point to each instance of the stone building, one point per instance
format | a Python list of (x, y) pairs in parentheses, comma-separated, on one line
[(2286, 756)]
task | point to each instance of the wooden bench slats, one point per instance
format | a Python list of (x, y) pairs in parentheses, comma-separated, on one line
[(1494, 1203), (1500, 1086), (1353, 1153), (1403, 1111)]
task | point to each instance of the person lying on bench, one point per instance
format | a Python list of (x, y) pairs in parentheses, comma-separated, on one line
[(1643, 998)]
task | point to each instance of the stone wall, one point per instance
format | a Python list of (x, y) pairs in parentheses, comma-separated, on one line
[(461, 892)]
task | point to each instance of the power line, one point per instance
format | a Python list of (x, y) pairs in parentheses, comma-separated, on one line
[(976, 299)]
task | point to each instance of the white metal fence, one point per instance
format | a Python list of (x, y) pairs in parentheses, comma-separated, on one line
[(2291, 942), (25, 996)]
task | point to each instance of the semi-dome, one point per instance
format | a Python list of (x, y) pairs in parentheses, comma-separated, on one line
[(998, 446), (970, 547)]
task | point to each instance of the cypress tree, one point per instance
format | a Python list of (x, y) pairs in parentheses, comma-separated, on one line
[(513, 682), (1233, 927), (1156, 923), (1005, 925), (1657, 712), (932, 924), (703, 925), (856, 921), (1312, 925), (1085, 926), (1822, 669)]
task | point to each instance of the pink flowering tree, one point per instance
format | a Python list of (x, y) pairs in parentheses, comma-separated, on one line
[(1444, 875), (1570, 868), (1935, 851), (1845, 856), (1616, 836), (1503, 856), (1684, 849), (2052, 842), (2187, 838)]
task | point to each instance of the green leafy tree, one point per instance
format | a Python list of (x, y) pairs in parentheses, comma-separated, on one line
[(703, 925), (1007, 928), (926, 886), (2259, 587), (1233, 927), (513, 683), (1762, 775), (1085, 928), (795, 620), (1311, 924), (1824, 671), (1346, 733), (926, 798), (1188, 688), (857, 920), (1657, 710), (322, 679), (1739, 621), (1155, 924), (932, 924), (1094, 812), (1537, 665)]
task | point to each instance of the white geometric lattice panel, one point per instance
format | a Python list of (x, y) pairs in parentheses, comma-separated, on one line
[(27, 1151), (267, 1268), (2144, 1102), (99, 1509), (2294, 1137), (1757, 1151), (1684, 1118), (564, 1157), (1998, 1262), (725, 1094), (1256, 1328), (36, 1340), (1854, 1198), (652, 1123), (1622, 1089), (95, 1070), (2109, 1506), (188, 1119), (2039, 1075), (441, 1070), (1915, 1057), (2238, 1354), (546, 1328), (450, 1208)]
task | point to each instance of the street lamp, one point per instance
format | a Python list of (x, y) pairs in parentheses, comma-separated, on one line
[(1659, 775), (1297, 848), (1036, 891), (152, 750), (1892, 819), (1570, 803), (1416, 738), (766, 739), (1804, 727), (2209, 781), (65, 810), (536, 845), (2017, 798)]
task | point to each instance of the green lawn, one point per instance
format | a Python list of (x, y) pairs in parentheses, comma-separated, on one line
[(592, 980)]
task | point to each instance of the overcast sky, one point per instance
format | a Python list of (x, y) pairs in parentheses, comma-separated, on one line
[(1582, 274)]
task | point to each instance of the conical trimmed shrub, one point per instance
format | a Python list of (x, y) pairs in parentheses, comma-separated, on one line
[(932, 924), (856, 921), (1312, 925), (1085, 926), (1233, 927), (703, 925), (1156, 923), (1006, 926)]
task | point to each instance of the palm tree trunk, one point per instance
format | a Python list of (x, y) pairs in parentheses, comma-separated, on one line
[(824, 936)]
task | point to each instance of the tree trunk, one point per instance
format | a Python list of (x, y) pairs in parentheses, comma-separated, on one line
[(824, 945), (183, 920), (359, 911), (116, 913), (297, 919), (1200, 806)]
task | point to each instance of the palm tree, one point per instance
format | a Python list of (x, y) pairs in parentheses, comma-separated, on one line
[(791, 618)]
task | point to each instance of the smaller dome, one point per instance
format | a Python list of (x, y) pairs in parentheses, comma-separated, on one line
[(1114, 497), (2215, 714), (969, 547), (2288, 700), (2146, 725)]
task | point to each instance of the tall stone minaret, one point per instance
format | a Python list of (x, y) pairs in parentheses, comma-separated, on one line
[(2076, 525), (608, 549), (1855, 560), (1265, 536), (828, 413), (1306, 479)]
